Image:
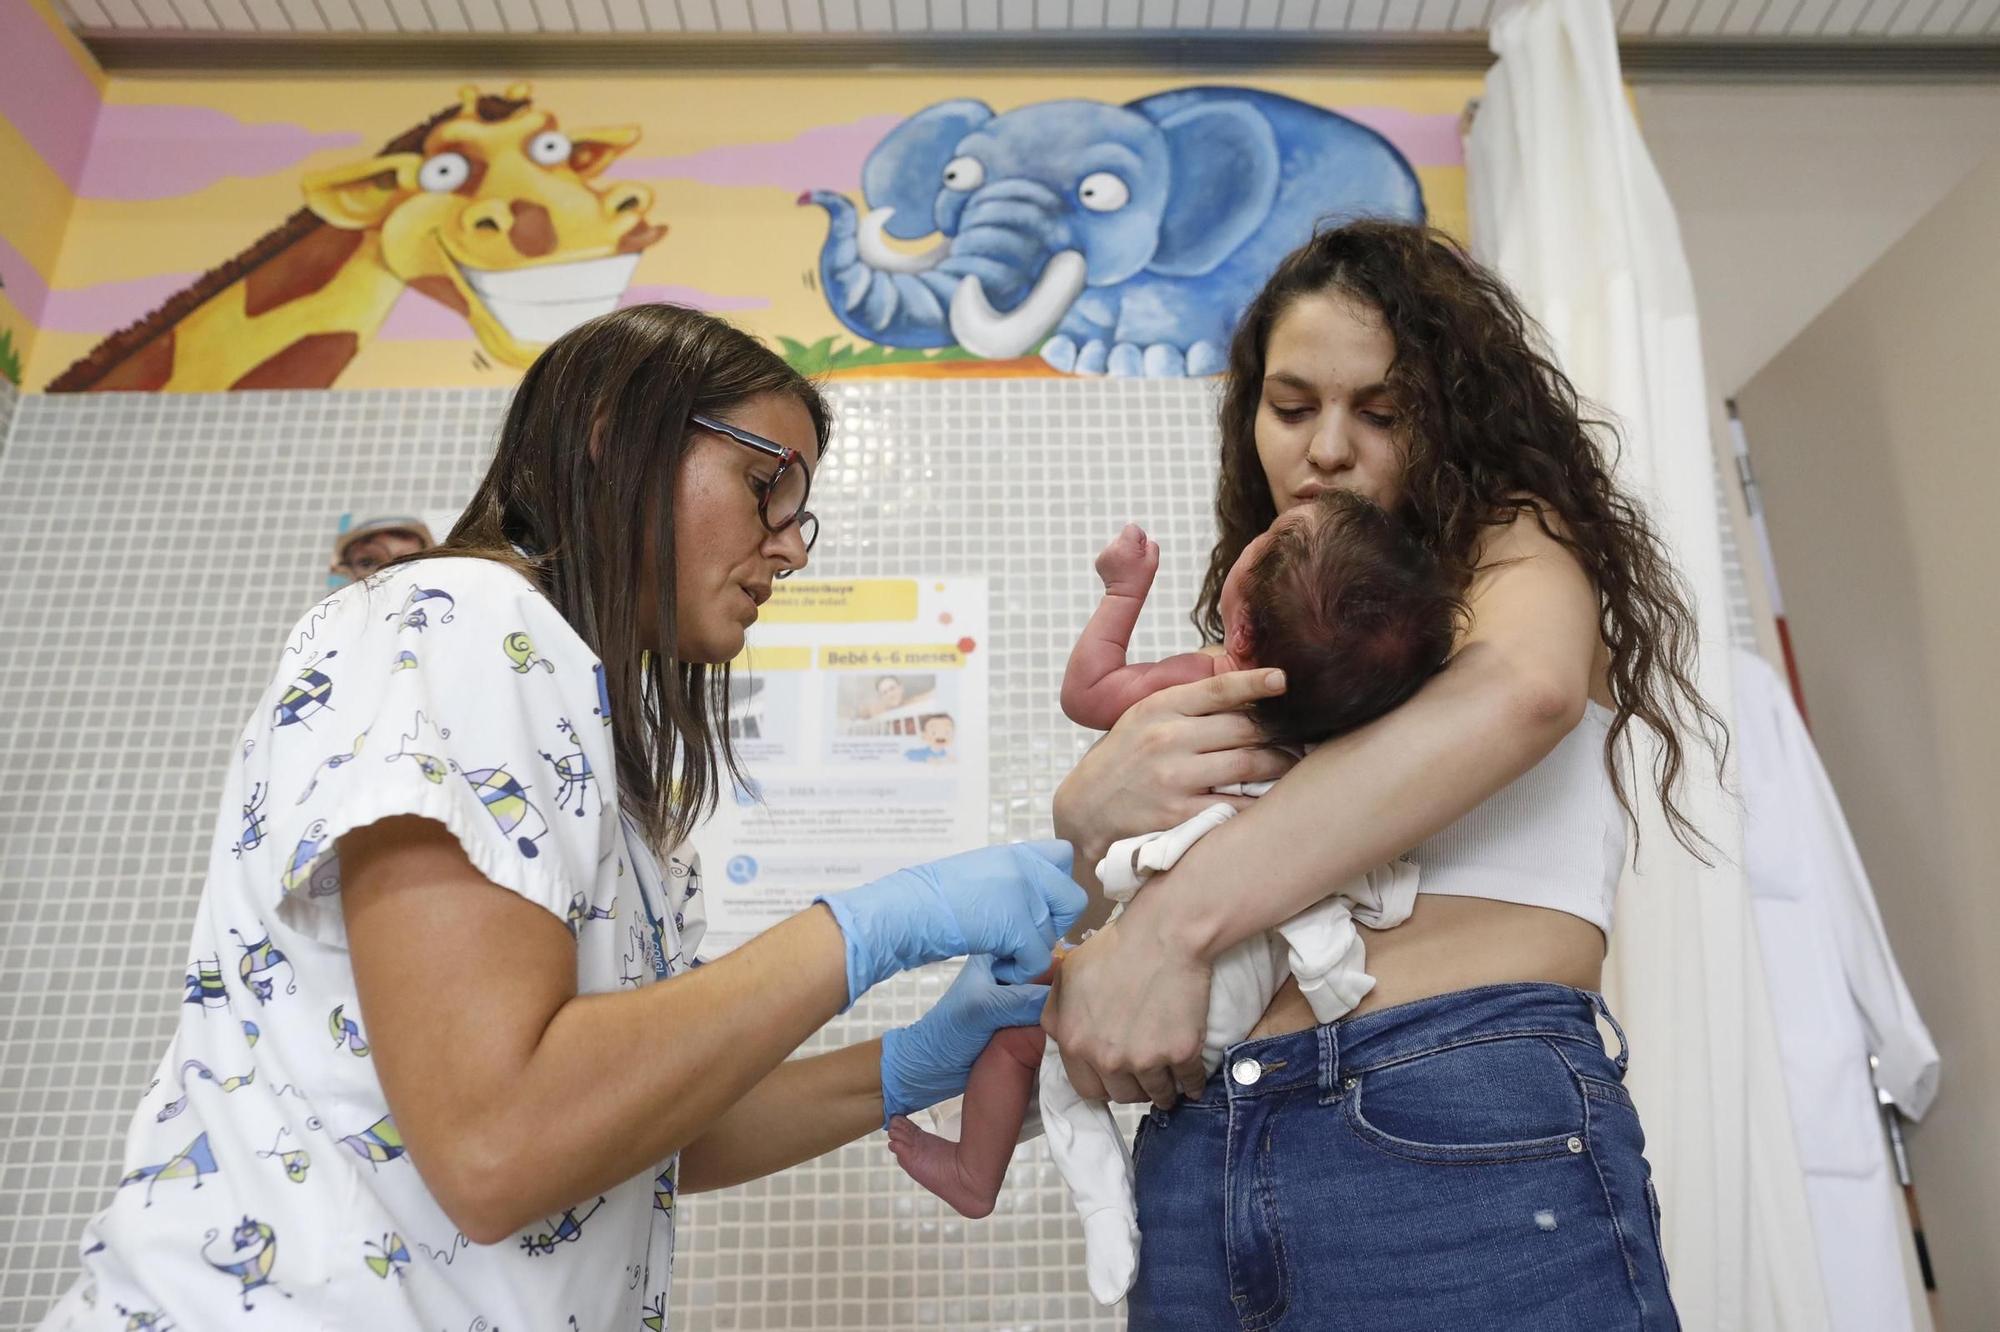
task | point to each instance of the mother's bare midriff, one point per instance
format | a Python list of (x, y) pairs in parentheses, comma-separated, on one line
[(1454, 943)]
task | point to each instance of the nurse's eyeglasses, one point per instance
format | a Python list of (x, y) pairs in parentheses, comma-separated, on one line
[(781, 501)]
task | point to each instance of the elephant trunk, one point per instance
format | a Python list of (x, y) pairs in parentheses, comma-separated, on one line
[(1006, 248)]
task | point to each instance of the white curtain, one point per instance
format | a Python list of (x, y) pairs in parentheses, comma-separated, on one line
[(1567, 207)]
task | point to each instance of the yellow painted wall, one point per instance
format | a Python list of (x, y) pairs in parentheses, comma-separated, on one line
[(36, 203)]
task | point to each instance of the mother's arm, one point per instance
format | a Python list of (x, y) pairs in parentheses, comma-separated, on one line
[(1129, 1004)]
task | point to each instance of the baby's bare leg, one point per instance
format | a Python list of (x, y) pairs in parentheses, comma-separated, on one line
[(968, 1173)]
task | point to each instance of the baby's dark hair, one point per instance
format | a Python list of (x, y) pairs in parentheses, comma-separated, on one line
[(1354, 609)]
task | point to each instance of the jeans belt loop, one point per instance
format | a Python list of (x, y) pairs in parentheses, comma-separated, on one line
[(1624, 1049)]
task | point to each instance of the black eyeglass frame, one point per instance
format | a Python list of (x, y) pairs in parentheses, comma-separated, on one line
[(788, 458)]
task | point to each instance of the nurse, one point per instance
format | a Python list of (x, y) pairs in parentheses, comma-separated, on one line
[(444, 1058)]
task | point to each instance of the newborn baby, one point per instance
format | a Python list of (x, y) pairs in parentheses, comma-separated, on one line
[(1358, 615)]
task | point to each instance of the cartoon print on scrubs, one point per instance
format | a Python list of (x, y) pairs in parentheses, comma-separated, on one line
[(378, 1144), (194, 1161), (150, 1321), (309, 630), (327, 765), (201, 1070), (663, 1188), (581, 910), (431, 766), (346, 1031), (253, 1254), (205, 988), (520, 650), (416, 616), (388, 1257), (573, 770), (253, 824), (449, 1253), (272, 1136), (307, 871), (506, 799), (258, 961), (296, 1162), (566, 1229), (310, 694)]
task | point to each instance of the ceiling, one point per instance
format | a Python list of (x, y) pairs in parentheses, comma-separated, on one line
[(1660, 40), (1789, 20)]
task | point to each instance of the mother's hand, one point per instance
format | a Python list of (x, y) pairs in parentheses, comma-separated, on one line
[(1129, 1009), (1159, 765)]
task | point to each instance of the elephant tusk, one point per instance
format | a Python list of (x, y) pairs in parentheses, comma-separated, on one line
[(984, 331), (875, 251)]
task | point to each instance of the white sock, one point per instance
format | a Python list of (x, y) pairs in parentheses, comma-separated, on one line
[(1110, 1255)]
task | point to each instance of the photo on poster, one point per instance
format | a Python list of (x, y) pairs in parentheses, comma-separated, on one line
[(764, 724), (891, 717)]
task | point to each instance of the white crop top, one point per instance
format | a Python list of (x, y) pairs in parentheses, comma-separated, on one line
[(1554, 837)]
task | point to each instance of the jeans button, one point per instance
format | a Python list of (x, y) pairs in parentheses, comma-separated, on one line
[(1246, 1071), (1576, 1145)]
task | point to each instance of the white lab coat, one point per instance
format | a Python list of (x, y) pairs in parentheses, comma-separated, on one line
[(1837, 998)]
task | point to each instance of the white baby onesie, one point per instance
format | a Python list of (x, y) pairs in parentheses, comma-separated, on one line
[(1321, 946)]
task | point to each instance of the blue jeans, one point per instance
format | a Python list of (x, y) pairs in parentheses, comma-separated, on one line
[(1467, 1161)]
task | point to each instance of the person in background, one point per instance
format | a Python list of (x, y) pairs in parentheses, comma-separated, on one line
[(371, 545)]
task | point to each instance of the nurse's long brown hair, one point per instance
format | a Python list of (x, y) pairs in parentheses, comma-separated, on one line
[(1484, 419), (583, 482)]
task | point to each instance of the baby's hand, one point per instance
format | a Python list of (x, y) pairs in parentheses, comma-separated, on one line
[(1128, 564)]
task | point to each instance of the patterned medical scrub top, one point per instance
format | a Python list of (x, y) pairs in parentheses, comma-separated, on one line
[(265, 1184)]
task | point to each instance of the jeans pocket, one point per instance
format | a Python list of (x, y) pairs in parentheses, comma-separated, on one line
[(1512, 1098), (1140, 1136)]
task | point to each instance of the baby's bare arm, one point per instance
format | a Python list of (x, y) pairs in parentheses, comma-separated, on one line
[(1098, 685), (1100, 705)]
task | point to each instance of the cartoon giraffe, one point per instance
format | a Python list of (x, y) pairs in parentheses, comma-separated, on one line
[(485, 207)]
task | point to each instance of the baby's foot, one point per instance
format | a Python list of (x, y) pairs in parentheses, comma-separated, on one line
[(933, 1162), (1128, 564)]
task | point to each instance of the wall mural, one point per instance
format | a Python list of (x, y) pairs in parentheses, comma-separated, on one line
[(487, 208), (1119, 240), (862, 226)]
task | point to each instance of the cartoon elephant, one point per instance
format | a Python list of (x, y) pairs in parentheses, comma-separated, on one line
[(1135, 235)]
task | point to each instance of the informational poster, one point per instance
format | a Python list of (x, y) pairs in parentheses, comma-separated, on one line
[(859, 711)]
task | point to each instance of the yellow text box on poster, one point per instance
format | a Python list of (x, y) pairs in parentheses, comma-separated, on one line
[(761, 658), (885, 600), (892, 657)]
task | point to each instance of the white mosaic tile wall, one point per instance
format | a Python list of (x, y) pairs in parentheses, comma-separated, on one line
[(156, 548)]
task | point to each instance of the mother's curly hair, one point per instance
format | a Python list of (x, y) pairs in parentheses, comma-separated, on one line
[(1490, 428)]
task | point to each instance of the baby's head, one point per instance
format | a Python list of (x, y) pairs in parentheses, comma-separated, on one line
[(1355, 611)]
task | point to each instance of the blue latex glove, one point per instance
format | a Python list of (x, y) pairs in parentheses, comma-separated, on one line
[(1012, 901), (928, 1061)]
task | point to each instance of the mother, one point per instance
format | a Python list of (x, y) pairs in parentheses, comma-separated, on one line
[(1460, 1151)]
